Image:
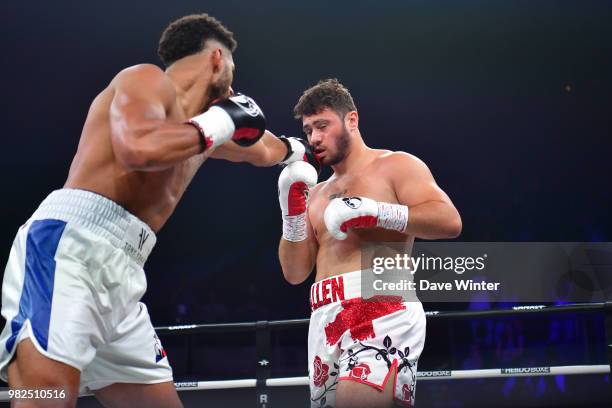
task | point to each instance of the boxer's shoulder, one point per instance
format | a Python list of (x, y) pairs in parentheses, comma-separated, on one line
[(393, 160), (145, 71), (318, 188), (144, 77)]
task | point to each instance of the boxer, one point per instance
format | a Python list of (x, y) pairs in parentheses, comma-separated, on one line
[(362, 353), (74, 277)]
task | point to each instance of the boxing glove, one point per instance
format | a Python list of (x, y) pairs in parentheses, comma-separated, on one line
[(294, 184), (361, 212), (299, 150), (236, 118)]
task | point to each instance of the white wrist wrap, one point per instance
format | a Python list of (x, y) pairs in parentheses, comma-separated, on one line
[(294, 227), (216, 126), (392, 216)]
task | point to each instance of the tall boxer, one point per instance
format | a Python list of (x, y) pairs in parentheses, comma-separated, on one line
[(361, 353), (75, 275)]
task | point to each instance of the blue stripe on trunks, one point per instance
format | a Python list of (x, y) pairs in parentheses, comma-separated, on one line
[(37, 293)]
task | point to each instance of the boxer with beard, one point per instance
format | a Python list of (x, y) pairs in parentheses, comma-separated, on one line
[(362, 353)]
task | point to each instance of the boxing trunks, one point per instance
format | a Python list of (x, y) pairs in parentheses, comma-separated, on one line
[(72, 285), (362, 340)]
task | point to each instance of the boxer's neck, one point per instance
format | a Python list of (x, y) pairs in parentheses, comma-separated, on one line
[(192, 83)]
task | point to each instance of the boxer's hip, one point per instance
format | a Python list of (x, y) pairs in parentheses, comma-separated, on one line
[(344, 287), (101, 218), (73, 276)]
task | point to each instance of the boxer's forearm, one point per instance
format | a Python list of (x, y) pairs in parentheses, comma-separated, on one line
[(434, 220), (268, 151), (273, 152), (297, 260)]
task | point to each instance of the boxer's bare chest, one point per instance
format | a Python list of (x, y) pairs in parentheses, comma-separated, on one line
[(372, 182)]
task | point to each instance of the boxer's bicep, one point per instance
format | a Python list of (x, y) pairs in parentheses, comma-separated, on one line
[(432, 214), (141, 100), (413, 182), (139, 106)]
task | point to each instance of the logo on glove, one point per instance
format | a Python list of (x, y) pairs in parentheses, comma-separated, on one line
[(352, 202), (246, 104)]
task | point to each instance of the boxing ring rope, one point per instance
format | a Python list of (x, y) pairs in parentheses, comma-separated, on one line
[(422, 375), (263, 328), (249, 326)]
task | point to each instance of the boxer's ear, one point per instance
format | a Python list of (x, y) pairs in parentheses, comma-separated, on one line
[(216, 59), (351, 120)]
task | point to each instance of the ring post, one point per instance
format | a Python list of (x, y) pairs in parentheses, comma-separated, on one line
[(263, 362)]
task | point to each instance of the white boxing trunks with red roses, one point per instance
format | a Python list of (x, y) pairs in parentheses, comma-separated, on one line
[(363, 340)]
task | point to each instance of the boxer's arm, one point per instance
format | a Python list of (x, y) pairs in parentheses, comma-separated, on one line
[(143, 138), (432, 214), (297, 259), (268, 151)]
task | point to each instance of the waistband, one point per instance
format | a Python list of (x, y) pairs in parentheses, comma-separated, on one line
[(335, 289), (101, 216)]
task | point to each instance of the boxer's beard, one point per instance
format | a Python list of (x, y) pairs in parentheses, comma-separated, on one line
[(344, 141), (219, 90)]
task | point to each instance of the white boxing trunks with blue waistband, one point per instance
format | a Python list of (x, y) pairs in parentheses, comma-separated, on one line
[(72, 285)]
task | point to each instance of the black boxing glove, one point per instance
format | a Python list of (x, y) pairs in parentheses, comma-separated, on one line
[(237, 118), (299, 150)]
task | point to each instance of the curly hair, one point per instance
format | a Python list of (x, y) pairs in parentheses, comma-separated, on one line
[(328, 93), (188, 35)]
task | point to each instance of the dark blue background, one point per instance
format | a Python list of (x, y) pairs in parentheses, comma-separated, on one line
[(508, 103)]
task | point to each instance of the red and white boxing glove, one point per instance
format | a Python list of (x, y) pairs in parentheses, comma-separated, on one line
[(360, 212), (299, 150), (294, 184)]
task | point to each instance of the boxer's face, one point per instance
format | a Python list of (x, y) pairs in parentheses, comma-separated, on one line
[(328, 135)]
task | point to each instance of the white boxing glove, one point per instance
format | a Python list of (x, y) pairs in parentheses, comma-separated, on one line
[(361, 212), (294, 183)]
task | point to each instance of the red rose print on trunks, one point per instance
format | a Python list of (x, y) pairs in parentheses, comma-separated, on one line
[(406, 394), (319, 372), (361, 371), (357, 316)]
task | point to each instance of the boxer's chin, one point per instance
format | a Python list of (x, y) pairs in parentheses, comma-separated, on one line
[(219, 91), (333, 160)]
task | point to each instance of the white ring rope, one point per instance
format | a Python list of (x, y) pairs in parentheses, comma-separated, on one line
[(421, 375)]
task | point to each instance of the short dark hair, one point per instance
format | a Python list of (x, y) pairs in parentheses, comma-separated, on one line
[(188, 35), (328, 93)]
